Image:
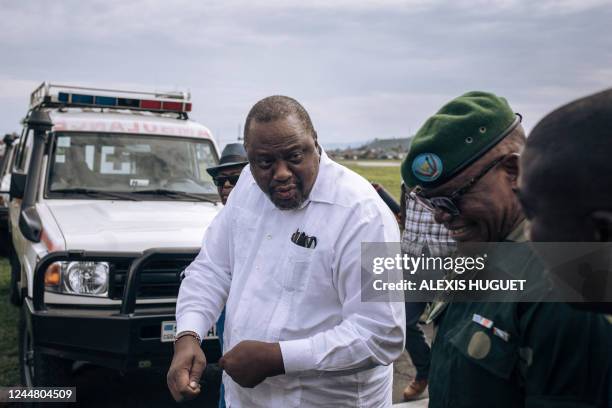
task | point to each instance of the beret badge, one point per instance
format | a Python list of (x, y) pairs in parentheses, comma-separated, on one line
[(427, 167)]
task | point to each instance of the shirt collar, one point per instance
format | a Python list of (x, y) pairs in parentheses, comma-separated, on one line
[(322, 191)]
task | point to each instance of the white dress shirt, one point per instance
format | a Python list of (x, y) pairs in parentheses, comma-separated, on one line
[(337, 350)]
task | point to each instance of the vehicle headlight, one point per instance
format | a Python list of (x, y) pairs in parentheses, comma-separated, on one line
[(79, 278)]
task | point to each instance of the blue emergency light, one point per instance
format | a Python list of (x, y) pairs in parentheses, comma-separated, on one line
[(179, 102)]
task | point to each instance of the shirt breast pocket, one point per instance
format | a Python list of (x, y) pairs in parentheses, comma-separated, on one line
[(483, 347), (299, 261)]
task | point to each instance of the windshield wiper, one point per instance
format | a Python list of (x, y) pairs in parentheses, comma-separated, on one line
[(94, 192), (176, 193)]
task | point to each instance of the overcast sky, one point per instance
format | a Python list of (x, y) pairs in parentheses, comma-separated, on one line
[(362, 69)]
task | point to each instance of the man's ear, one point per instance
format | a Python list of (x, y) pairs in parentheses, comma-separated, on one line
[(316, 140), (603, 225), (510, 164)]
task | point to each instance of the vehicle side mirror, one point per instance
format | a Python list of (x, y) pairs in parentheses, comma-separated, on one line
[(18, 182), (30, 224)]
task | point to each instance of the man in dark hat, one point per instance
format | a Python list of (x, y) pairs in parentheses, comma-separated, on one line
[(225, 175), (566, 178), (463, 165)]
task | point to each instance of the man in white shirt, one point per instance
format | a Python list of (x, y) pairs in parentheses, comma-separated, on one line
[(284, 256)]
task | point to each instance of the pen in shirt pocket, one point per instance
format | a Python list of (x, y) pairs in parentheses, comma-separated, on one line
[(303, 240)]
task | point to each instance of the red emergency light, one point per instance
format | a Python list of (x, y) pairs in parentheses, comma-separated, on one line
[(167, 102)]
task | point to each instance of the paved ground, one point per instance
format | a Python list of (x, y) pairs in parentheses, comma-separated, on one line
[(378, 163), (422, 403), (403, 372), (98, 387)]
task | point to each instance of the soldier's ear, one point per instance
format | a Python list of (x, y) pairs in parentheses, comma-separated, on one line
[(602, 220)]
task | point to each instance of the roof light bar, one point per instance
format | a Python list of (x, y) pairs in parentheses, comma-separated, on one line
[(62, 95)]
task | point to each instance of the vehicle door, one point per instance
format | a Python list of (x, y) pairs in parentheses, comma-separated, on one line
[(21, 162)]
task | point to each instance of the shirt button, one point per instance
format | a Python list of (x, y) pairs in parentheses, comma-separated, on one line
[(269, 236)]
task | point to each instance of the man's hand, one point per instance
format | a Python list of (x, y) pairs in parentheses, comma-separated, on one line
[(251, 362), (186, 369)]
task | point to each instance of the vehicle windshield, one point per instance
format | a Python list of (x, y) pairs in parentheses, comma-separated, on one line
[(164, 167)]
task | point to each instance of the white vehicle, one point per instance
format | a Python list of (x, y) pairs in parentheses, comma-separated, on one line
[(109, 200), (6, 164)]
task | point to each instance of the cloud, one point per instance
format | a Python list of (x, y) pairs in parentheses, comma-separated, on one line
[(16, 88), (363, 68)]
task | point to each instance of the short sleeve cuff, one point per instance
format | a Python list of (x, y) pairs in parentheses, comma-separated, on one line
[(297, 355), (191, 321)]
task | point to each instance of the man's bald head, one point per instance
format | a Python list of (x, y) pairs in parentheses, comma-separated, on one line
[(567, 169), (278, 107)]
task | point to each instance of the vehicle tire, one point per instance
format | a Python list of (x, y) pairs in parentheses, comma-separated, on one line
[(14, 292), (38, 369)]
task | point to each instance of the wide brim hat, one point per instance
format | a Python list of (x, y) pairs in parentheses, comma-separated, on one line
[(233, 155)]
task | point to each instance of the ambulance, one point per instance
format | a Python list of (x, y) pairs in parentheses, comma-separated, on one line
[(109, 201)]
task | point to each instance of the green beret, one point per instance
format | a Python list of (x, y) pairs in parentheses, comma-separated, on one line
[(456, 136)]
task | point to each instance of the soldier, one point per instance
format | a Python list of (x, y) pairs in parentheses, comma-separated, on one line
[(463, 165), (573, 144)]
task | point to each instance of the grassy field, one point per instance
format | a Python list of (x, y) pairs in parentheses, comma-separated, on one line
[(389, 177), (9, 315)]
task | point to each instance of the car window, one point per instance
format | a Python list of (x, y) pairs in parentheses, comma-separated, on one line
[(128, 163)]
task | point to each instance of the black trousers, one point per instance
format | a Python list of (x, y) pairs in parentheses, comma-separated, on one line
[(416, 343)]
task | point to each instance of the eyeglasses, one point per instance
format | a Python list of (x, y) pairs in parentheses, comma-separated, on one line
[(220, 180), (448, 204)]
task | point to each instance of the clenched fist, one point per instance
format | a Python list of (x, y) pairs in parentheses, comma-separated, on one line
[(250, 362), (186, 369)]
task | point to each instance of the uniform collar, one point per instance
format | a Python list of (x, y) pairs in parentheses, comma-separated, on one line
[(519, 233)]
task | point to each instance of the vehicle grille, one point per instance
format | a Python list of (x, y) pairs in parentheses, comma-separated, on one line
[(159, 279)]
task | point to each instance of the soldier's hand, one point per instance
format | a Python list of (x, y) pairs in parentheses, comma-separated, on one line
[(250, 362), (186, 369)]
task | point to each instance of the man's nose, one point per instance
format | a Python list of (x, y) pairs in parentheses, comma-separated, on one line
[(442, 217), (282, 171)]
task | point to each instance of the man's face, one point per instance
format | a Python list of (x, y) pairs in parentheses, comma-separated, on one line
[(489, 210), (545, 226), (284, 160), (227, 187), (554, 214)]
